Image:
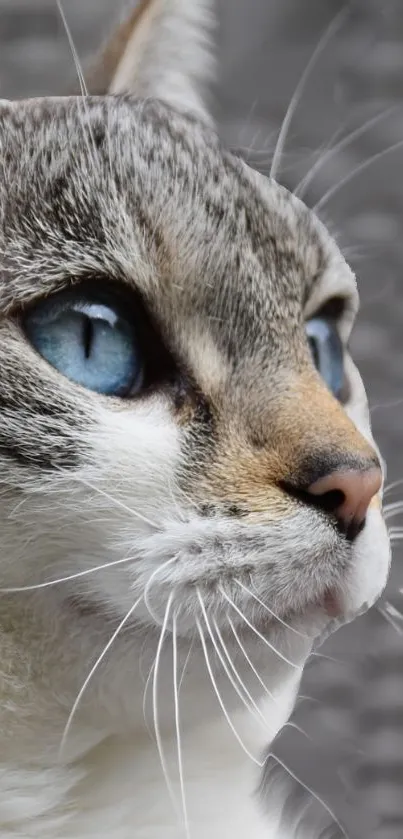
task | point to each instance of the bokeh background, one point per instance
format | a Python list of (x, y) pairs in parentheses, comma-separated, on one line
[(352, 751)]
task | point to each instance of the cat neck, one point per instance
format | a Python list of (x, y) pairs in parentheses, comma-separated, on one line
[(118, 789), (48, 653), (109, 777)]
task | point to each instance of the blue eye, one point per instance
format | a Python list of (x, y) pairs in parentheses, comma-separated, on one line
[(88, 338), (327, 352)]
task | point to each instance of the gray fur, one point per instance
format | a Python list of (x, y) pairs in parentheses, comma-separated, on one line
[(196, 487)]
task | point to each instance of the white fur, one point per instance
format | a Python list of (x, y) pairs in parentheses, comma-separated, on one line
[(127, 508)]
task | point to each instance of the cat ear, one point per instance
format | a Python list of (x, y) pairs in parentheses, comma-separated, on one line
[(162, 50)]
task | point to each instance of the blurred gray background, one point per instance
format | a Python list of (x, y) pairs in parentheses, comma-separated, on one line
[(352, 755)]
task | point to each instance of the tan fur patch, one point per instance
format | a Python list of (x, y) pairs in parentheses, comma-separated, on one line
[(313, 420), (304, 422), (207, 362)]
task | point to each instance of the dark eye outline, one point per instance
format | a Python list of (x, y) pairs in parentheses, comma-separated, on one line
[(328, 316), (159, 366)]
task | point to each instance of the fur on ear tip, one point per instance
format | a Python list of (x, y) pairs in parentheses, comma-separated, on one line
[(162, 49)]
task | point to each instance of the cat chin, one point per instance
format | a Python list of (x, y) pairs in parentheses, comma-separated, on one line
[(366, 578)]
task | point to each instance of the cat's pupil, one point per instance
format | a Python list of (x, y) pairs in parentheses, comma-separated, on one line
[(88, 333), (89, 339)]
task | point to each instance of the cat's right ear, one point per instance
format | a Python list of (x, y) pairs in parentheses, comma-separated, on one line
[(162, 50)]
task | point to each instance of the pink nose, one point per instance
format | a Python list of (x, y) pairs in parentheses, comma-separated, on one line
[(347, 494)]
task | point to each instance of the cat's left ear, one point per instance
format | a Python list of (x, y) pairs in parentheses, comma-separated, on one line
[(162, 50)]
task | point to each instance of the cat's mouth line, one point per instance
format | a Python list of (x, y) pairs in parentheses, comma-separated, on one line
[(330, 604), (254, 587)]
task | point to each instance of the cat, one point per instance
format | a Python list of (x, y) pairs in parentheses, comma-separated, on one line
[(191, 495)]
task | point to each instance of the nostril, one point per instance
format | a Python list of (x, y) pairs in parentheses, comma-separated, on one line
[(352, 530), (344, 494), (330, 501), (347, 494)]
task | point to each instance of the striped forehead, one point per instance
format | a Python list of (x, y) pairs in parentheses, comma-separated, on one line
[(146, 196)]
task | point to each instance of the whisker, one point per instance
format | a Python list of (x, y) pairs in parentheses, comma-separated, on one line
[(393, 508), (270, 612), (320, 152), (224, 665), (146, 594), (155, 705), (302, 186), (357, 171), (146, 687), (259, 634), (394, 530), (185, 665), (290, 724), (177, 726), (253, 703), (175, 503), (392, 609), (245, 123), (94, 668), (302, 697), (218, 695), (83, 110), (394, 484), (311, 792), (392, 403), (391, 615), (188, 499), (66, 579), (313, 654), (296, 97), (117, 502), (251, 665), (79, 71)]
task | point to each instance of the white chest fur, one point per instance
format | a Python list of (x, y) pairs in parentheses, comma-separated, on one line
[(117, 787), (119, 791)]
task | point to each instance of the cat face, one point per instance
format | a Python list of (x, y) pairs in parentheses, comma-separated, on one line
[(175, 379), (184, 439)]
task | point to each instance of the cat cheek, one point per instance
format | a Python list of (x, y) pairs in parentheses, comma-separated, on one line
[(138, 443)]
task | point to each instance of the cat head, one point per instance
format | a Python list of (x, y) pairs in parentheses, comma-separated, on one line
[(181, 426)]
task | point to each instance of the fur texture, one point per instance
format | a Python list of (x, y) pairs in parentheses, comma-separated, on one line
[(174, 516)]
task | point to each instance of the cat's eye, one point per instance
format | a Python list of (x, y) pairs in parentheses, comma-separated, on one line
[(327, 352), (90, 338)]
